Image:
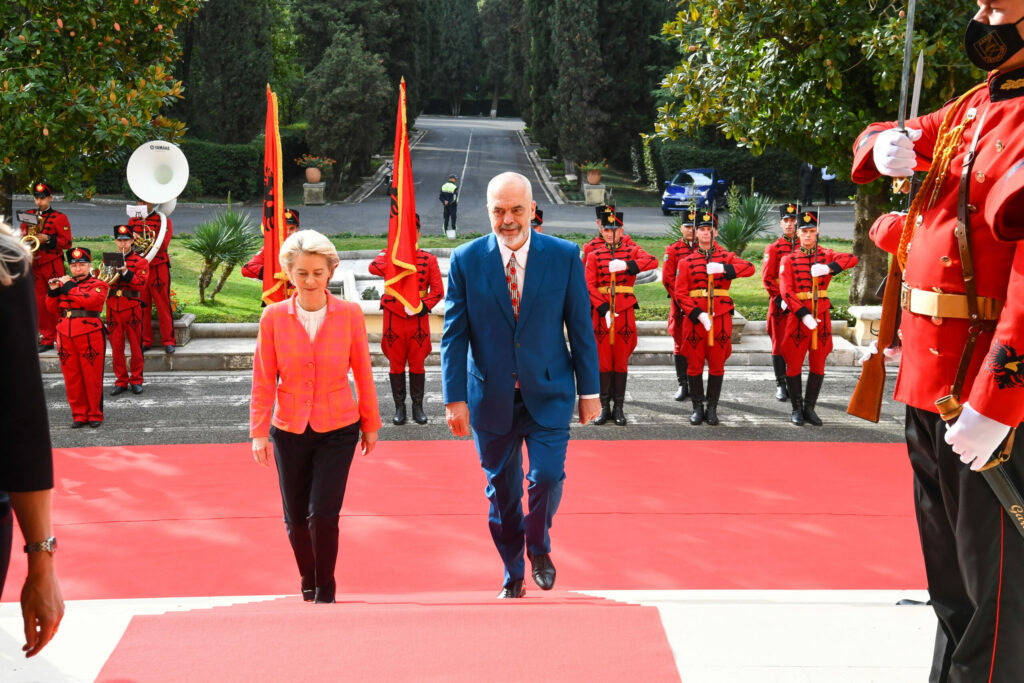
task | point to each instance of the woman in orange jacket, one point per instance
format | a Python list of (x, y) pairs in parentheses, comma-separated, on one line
[(307, 344)]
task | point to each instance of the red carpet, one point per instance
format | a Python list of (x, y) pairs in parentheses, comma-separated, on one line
[(420, 638), (206, 520)]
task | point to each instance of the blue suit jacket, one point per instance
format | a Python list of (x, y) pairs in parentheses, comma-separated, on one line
[(484, 349)]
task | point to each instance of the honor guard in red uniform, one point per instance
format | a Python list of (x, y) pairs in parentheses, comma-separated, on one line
[(962, 330), (611, 270), (538, 220), (777, 309), (701, 292), (54, 235), (124, 314), (602, 211), (254, 268), (158, 286), (804, 276), (77, 302), (679, 249), (406, 338)]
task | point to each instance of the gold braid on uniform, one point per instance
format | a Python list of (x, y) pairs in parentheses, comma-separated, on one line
[(947, 142)]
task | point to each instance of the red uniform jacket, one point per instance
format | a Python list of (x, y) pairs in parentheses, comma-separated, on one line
[(428, 274), (773, 255), (599, 280), (54, 233), (125, 291), (795, 278), (692, 275), (152, 221), (598, 241), (254, 268), (87, 294), (932, 347), (673, 254)]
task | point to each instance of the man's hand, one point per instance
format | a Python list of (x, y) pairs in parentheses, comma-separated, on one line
[(809, 322), (589, 409), (819, 270), (457, 416), (705, 320), (975, 437), (616, 266), (715, 268), (261, 452), (42, 606), (894, 152), (369, 440)]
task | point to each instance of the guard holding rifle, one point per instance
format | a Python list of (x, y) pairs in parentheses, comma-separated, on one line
[(674, 252), (124, 313), (804, 276), (962, 330), (155, 230), (777, 308), (601, 210), (48, 237), (702, 294), (611, 270), (77, 302)]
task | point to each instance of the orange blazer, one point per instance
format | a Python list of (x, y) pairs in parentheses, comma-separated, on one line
[(310, 381)]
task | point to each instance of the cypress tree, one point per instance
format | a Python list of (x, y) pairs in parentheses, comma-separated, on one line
[(579, 99)]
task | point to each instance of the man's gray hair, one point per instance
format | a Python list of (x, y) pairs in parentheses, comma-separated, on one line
[(506, 177), (307, 242)]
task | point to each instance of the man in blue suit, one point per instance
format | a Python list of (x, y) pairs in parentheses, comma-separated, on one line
[(508, 374)]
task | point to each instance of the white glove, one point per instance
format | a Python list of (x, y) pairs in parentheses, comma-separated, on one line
[(784, 305), (412, 311), (819, 270), (715, 268), (809, 322), (608, 318), (891, 353), (894, 152), (616, 266), (705, 320), (975, 437)]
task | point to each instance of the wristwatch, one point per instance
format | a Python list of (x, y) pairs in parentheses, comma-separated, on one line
[(49, 545)]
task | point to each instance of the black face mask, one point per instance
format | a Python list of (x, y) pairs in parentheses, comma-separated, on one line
[(988, 46)]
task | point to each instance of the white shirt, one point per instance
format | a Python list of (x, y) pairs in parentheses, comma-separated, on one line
[(311, 320)]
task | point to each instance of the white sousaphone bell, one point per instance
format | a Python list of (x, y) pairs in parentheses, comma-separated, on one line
[(157, 173)]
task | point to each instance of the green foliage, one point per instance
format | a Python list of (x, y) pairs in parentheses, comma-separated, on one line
[(370, 294), (748, 220), (580, 112), (226, 169), (541, 73), (229, 239), (456, 64), (79, 83)]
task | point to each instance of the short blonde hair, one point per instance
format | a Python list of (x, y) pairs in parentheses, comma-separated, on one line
[(307, 242), (15, 258)]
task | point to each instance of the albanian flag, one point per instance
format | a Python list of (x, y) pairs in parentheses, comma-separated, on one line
[(400, 266), (275, 281)]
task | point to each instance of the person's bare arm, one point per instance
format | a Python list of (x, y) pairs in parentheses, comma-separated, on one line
[(42, 606)]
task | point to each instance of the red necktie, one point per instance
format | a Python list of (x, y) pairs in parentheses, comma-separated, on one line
[(513, 284)]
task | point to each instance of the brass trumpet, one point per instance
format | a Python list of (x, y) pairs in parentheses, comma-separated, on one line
[(31, 240), (144, 240)]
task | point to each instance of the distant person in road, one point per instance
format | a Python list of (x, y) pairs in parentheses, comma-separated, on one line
[(828, 181), (26, 459), (777, 307), (449, 197), (508, 374), (675, 252), (54, 234), (302, 401), (808, 175)]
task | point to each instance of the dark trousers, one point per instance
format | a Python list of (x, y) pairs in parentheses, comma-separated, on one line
[(973, 558), (312, 470), (501, 456), (451, 209)]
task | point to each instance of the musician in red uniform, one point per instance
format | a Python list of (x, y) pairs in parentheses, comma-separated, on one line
[(804, 276), (673, 253), (124, 314), (778, 312), (158, 284), (611, 270), (602, 210), (54, 235), (973, 557), (702, 294), (406, 338), (254, 268), (77, 302), (537, 221)]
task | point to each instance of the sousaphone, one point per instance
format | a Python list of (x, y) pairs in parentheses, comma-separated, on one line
[(157, 174)]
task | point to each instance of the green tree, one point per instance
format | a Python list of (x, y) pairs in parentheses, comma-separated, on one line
[(228, 239), (808, 77), (82, 83), (579, 111), (541, 74), (454, 71)]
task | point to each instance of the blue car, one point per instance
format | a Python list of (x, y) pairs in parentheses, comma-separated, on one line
[(708, 187)]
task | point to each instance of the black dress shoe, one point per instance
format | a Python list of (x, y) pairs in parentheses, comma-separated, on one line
[(136, 388), (77, 424), (118, 390), (543, 570), (325, 594), (93, 424), (169, 349), (44, 347), (146, 348), (512, 589)]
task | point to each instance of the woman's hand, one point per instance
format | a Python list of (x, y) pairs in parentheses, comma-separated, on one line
[(369, 440), (261, 450)]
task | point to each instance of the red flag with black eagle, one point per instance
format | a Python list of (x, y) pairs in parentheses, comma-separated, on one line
[(400, 266), (275, 281)]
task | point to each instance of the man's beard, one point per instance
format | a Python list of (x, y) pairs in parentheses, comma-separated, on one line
[(510, 239)]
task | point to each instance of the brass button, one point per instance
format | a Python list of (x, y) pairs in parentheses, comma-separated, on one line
[(920, 219), (899, 333), (934, 351), (1000, 146), (979, 176), (972, 208), (936, 320), (946, 261)]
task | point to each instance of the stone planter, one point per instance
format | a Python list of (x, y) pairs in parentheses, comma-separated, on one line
[(183, 329), (313, 175)]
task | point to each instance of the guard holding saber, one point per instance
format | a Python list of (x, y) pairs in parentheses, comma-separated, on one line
[(611, 270), (961, 253), (676, 251)]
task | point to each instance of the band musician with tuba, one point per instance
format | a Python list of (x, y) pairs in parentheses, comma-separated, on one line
[(47, 238)]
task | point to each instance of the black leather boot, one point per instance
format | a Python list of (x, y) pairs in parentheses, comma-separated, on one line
[(696, 383), (781, 392), (398, 393), (684, 385), (619, 397), (714, 392), (606, 393), (417, 381), (814, 382), (795, 394)]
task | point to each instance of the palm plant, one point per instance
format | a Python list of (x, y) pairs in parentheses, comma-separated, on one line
[(748, 219), (227, 240)]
